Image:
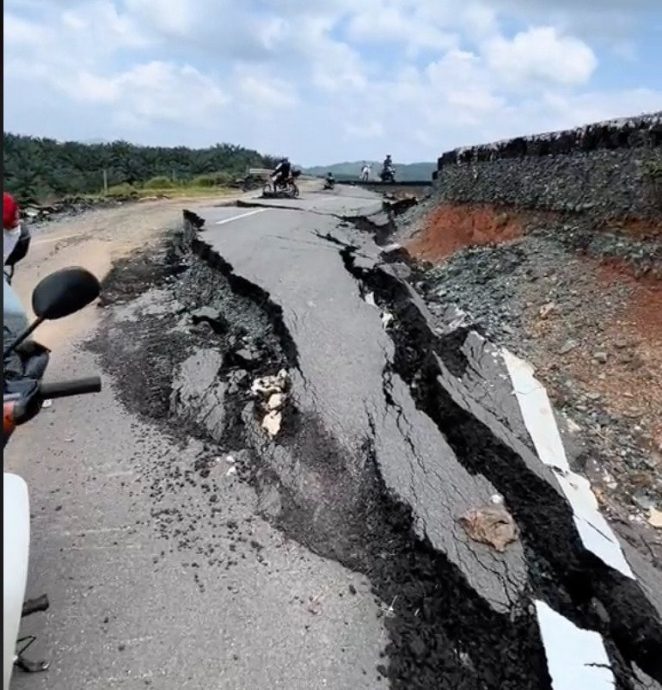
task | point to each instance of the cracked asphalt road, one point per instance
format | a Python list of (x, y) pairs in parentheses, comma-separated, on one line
[(396, 434), (343, 351), (129, 609)]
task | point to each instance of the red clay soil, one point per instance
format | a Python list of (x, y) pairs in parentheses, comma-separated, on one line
[(640, 323), (454, 226)]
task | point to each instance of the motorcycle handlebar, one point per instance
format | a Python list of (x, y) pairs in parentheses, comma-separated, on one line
[(64, 389)]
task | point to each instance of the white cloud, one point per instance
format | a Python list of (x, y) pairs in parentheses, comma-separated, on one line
[(335, 80), (151, 92), (392, 24), (265, 92), (541, 54)]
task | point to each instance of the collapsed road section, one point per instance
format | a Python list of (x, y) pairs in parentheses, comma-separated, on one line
[(429, 461)]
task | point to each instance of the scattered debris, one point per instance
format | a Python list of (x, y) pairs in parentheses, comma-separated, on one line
[(315, 604), (389, 611), (601, 357), (370, 299), (568, 346), (387, 319), (272, 391), (276, 402), (272, 422), (655, 518), (268, 385), (71, 206), (546, 310), (490, 525), (391, 248)]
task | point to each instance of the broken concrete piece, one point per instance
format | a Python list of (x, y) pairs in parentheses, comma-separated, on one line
[(387, 319), (546, 310), (271, 423), (568, 346), (655, 518), (370, 299), (492, 525), (276, 402), (600, 357), (266, 386), (206, 313)]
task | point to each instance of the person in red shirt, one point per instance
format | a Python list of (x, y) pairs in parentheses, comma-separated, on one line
[(11, 224)]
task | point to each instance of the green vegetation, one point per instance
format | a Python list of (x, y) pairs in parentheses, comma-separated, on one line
[(38, 170)]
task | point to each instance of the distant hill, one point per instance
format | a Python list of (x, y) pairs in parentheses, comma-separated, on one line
[(411, 171)]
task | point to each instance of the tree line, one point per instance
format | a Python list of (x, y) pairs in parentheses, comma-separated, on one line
[(37, 169)]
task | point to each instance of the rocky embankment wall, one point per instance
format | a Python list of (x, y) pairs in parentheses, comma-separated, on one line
[(611, 170)]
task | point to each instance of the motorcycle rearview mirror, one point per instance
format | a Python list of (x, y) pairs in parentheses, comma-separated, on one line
[(58, 295), (64, 292)]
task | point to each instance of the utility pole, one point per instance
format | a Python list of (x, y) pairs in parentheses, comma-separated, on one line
[(105, 181)]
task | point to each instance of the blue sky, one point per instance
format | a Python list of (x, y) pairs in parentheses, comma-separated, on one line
[(326, 81)]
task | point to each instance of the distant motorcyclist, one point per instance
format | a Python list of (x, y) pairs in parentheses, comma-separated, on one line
[(282, 172), (388, 170), (365, 172), (329, 181)]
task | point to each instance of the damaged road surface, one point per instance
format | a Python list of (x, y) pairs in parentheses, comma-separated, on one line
[(361, 499), (415, 458)]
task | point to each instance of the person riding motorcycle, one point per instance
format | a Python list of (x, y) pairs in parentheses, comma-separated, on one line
[(329, 181), (388, 171), (282, 173)]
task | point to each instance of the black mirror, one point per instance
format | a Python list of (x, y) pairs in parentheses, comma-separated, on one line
[(64, 292)]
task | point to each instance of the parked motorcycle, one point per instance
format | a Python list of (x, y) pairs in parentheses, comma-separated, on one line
[(58, 295)]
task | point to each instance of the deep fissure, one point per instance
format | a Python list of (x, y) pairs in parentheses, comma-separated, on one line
[(571, 579)]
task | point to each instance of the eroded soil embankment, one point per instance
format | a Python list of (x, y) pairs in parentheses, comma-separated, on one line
[(582, 301)]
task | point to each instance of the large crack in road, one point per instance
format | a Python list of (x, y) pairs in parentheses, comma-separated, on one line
[(389, 437)]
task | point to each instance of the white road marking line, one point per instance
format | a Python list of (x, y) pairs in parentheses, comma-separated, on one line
[(538, 415), (576, 658), (55, 239), (241, 215)]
